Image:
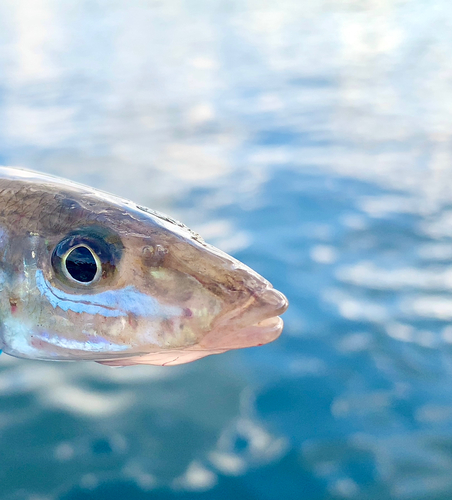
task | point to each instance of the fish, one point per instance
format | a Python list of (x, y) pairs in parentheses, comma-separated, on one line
[(88, 276)]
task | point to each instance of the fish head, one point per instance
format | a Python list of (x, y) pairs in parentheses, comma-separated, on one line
[(99, 278)]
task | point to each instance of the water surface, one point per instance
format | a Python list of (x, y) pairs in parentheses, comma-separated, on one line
[(310, 139)]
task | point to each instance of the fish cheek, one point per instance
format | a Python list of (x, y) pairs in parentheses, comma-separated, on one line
[(173, 288), (169, 285), (182, 289)]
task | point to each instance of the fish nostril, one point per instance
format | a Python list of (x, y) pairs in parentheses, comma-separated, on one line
[(153, 255)]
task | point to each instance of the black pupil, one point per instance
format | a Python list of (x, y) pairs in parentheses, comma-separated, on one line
[(80, 264)]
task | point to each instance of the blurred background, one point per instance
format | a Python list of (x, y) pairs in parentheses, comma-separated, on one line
[(312, 140)]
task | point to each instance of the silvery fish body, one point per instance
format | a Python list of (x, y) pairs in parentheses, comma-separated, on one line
[(85, 275)]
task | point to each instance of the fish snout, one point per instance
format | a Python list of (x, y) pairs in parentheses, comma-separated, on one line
[(273, 301)]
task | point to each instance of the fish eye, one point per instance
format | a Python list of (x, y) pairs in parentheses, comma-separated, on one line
[(85, 257), (81, 264)]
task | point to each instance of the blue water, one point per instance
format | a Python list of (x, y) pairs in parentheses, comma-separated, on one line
[(312, 140)]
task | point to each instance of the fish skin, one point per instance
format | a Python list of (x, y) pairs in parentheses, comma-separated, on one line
[(164, 296)]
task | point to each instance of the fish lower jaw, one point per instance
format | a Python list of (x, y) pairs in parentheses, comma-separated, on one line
[(233, 337), (215, 342), (264, 331)]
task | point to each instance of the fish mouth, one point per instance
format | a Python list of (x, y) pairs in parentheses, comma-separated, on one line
[(255, 323), (274, 324)]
